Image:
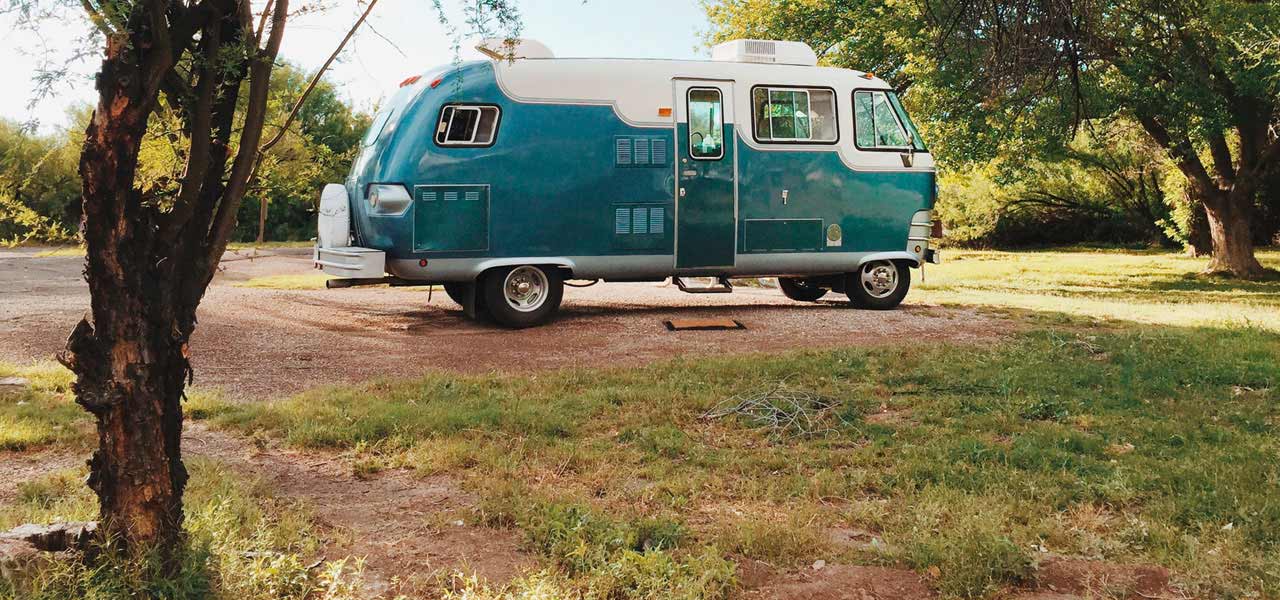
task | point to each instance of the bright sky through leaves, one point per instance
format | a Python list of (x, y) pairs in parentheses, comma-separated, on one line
[(372, 65)]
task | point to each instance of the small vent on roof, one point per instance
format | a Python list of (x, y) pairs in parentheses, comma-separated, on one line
[(759, 47), (766, 52)]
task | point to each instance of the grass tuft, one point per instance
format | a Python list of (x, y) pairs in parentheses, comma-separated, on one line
[(244, 544)]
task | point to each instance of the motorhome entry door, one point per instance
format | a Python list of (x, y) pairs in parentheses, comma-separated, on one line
[(705, 174)]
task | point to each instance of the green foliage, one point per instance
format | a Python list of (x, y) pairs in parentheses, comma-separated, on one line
[(1108, 186), (39, 183), (244, 544), (317, 149)]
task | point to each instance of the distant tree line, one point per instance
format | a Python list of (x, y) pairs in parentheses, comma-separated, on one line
[(40, 186)]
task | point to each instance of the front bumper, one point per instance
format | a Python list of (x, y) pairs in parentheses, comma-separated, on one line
[(352, 262)]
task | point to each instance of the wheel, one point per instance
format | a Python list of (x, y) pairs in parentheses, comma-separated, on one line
[(878, 285), (458, 291), (522, 296), (800, 289)]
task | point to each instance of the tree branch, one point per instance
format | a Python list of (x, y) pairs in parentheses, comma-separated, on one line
[(1221, 154), (255, 113), (1182, 153)]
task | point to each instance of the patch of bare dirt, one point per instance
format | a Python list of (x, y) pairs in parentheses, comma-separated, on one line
[(409, 530), (1084, 578), (842, 582), (19, 467), (259, 343)]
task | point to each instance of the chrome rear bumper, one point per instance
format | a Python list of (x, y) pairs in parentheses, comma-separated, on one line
[(353, 262)]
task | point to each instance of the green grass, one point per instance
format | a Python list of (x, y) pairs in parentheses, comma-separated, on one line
[(1133, 445), (270, 245), (244, 544), (61, 251), (41, 413), (1146, 287), (1132, 419), (306, 281)]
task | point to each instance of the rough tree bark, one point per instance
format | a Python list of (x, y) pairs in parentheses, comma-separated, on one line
[(1229, 215), (1227, 195), (148, 262)]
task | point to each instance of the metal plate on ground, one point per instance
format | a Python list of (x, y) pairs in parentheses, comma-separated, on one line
[(702, 324)]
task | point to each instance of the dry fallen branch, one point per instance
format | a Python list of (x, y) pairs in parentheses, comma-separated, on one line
[(784, 411)]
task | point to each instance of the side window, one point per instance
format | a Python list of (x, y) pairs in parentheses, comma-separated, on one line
[(794, 115), (875, 121), (706, 124), (463, 125)]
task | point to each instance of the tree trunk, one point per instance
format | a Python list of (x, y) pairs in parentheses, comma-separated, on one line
[(129, 354), (1199, 242), (1229, 229)]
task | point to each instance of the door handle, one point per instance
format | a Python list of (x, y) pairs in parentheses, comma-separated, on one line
[(689, 173), (784, 196)]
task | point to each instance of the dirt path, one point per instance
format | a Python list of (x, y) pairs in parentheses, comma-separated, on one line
[(409, 530), (258, 343)]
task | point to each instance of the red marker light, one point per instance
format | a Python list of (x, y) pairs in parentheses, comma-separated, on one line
[(410, 81), (436, 82), (422, 262)]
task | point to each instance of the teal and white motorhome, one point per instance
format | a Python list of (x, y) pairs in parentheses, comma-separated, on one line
[(503, 178)]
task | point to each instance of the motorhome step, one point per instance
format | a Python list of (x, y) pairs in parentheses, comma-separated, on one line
[(703, 324), (722, 286)]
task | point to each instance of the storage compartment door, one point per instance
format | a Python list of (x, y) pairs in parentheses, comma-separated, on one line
[(450, 218)]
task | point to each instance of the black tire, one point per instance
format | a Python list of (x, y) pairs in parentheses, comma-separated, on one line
[(505, 310), (875, 294), (800, 289)]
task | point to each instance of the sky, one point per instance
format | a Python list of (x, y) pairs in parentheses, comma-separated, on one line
[(401, 38)]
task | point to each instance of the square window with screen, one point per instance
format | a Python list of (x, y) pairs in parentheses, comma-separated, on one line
[(467, 125), (794, 115)]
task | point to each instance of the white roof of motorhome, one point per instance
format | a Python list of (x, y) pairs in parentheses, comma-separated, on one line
[(638, 88)]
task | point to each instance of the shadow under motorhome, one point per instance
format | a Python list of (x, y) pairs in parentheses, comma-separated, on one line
[(502, 178)]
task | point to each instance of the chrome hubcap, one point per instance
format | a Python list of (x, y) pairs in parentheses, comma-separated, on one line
[(525, 288), (879, 279)]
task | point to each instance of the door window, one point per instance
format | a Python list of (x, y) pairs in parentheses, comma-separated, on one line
[(706, 124)]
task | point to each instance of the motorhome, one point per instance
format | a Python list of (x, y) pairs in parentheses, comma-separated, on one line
[(503, 178)]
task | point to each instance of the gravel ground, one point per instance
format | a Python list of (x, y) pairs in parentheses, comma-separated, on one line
[(257, 343)]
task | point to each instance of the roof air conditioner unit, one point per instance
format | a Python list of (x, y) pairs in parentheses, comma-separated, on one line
[(765, 52)]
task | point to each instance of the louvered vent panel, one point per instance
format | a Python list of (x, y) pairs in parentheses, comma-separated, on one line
[(622, 151), (450, 196), (657, 216), (761, 47), (639, 219), (622, 221), (429, 196), (658, 151), (641, 151), (472, 196)]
